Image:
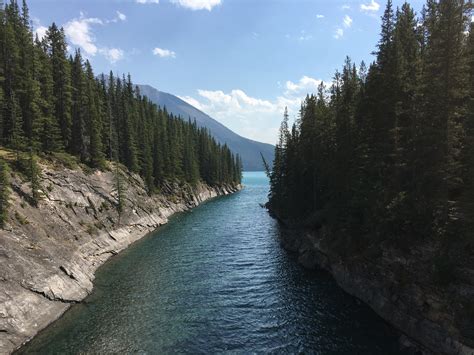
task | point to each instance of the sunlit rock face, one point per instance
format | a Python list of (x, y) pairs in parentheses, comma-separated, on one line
[(49, 254)]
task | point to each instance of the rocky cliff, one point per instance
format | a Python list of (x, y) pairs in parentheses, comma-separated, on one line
[(49, 253), (396, 284)]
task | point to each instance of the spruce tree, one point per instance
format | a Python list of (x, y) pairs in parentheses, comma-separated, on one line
[(4, 192)]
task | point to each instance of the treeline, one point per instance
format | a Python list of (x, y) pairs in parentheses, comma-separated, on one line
[(51, 101), (387, 151)]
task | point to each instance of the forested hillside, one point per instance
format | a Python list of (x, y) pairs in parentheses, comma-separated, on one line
[(386, 153), (52, 104), (378, 172), (250, 151)]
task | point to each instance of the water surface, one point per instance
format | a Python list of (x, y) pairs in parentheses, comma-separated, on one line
[(215, 280)]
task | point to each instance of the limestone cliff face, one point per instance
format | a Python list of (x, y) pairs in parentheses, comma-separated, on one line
[(49, 253), (396, 286)]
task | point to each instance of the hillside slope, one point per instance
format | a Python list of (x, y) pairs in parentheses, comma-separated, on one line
[(49, 253), (248, 149)]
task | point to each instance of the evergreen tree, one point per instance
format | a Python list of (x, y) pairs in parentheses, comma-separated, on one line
[(50, 103), (56, 46), (4, 192)]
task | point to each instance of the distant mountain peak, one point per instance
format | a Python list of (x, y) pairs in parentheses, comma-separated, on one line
[(248, 149)]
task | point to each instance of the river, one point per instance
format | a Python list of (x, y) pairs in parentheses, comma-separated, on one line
[(216, 280)]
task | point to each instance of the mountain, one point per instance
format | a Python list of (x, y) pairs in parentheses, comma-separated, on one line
[(249, 150)]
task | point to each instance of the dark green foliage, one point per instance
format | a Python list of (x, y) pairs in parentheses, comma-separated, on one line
[(387, 153), (34, 177), (54, 104), (4, 192), (120, 190)]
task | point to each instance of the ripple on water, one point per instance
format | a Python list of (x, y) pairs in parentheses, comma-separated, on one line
[(215, 281)]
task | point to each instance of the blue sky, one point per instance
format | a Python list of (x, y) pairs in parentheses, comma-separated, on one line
[(241, 61)]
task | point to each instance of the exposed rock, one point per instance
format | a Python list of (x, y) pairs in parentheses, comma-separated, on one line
[(48, 255), (423, 313)]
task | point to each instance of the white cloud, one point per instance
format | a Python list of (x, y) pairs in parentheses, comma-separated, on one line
[(121, 16), (305, 85), (147, 1), (345, 7), (319, 16), (339, 33), (192, 101), (304, 36), (79, 33), (197, 4), (41, 32), (373, 6), (347, 21), (113, 55), (164, 53), (253, 117)]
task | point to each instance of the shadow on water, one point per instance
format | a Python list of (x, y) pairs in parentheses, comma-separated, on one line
[(216, 280)]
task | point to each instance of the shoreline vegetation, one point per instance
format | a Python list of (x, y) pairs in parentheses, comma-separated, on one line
[(378, 172)]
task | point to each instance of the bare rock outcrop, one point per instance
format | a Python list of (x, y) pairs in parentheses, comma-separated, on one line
[(49, 253), (397, 286)]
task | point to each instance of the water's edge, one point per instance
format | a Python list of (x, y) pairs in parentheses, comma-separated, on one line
[(139, 234), (47, 274), (216, 280), (418, 334)]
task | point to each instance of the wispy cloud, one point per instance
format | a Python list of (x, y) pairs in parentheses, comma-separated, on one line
[(164, 53), (197, 4), (147, 1), (79, 32), (120, 16), (339, 33), (304, 86), (347, 21), (373, 6), (319, 16), (254, 117), (113, 55), (345, 7), (346, 24), (304, 36)]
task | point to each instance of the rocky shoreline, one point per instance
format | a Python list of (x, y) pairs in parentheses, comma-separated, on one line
[(49, 253), (421, 313)]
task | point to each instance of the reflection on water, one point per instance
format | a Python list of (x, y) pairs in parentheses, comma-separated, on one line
[(216, 280)]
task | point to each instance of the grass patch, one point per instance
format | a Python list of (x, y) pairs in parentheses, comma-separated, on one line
[(21, 219), (91, 229), (67, 160)]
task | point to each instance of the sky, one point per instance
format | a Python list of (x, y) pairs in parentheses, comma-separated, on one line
[(240, 61)]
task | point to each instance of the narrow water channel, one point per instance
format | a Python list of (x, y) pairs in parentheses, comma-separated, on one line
[(216, 280)]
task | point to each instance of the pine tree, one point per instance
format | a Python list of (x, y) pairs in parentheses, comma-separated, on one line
[(34, 177), (120, 190), (79, 141), (4, 192), (93, 119), (55, 43), (50, 103), (46, 132)]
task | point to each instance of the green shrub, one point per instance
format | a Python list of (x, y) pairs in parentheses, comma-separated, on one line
[(67, 160), (4, 192), (21, 219), (91, 229)]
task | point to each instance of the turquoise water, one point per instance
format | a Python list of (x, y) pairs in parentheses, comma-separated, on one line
[(215, 280)]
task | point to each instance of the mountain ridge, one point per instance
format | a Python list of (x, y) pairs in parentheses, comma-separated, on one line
[(248, 149)]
